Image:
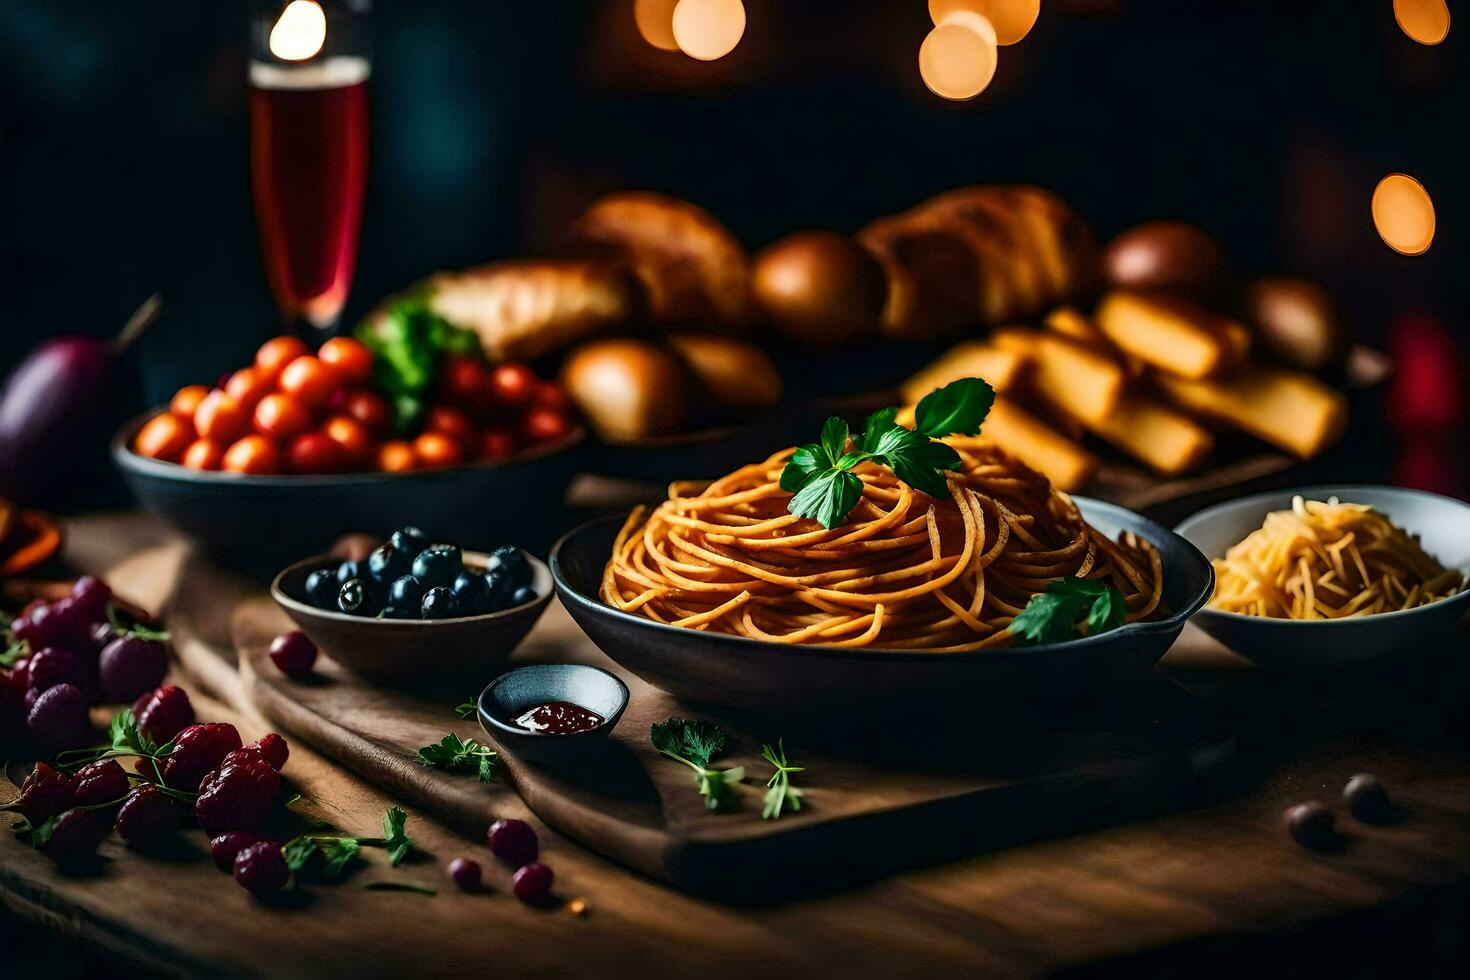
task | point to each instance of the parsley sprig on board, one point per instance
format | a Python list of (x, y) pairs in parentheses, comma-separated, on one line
[(819, 474), (338, 850), (695, 743), (780, 794), (1067, 607), (465, 756)]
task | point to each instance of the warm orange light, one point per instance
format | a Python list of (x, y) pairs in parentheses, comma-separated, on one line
[(656, 22), (1403, 214), (708, 29), (1426, 21), (300, 32), (957, 59), (1012, 19)]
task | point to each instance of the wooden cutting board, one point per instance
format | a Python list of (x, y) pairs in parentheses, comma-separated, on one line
[(878, 800)]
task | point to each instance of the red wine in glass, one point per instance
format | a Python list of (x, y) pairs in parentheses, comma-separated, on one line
[(308, 156)]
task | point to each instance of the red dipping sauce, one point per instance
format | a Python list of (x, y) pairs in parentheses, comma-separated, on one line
[(559, 718)]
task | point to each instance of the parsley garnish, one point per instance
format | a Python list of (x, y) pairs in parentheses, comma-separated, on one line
[(465, 709), (1070, 606), (695, 743), (819, 474), (779, 791), (137, 629), (463, 756), (337, 851)]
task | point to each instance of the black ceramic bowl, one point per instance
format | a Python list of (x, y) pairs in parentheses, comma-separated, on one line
[(781, 680), (412, 652), (513, 693), (276, 517)]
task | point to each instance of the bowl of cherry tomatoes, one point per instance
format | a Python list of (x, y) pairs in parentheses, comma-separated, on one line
[(300, 447)]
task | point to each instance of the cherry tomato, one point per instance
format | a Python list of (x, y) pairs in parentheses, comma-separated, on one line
[(248, 386), (221, 418), (369, 408), (453, 423), (511, 385), (352, 362), (253, 454), (549, 394), (281, 417), (462, 380), (397, 456), (187, 400), (204, 454), (276, 353), (544, 425), (308, 380), (351, 435), (313, 452), (497, 443), (165, 437), (435, 450)]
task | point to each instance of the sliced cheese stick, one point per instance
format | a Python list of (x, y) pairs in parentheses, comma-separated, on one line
[(1073, 323), (1166, 332), (1155, 434), (1077, 378), (971, 359), (1033, 442), (1288, 409)]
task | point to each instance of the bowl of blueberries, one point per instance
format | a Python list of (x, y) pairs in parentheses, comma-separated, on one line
[(416, 610)]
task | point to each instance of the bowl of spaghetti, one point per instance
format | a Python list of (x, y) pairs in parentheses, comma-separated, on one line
[(1320, 578), (720, 595)]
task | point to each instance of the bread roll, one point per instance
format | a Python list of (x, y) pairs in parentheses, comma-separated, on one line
[(932, 274), (1171, 256), (694, 271), (733, 373), (1298, 322), (628, 389), (524, 308), (819, 288)]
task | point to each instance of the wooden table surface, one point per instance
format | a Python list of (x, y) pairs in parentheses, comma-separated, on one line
[(1211, 891)]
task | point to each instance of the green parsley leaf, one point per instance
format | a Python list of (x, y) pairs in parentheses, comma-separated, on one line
[(465, 709), (780, 794), (803, 467), (13, 653), (917, 460), (1054, 615), (834, 438), (828, 498), (119, 628), (337, 853), (877, 424), (396, 839), (298, 851), (958, 408), (695, 743), (462, 756)]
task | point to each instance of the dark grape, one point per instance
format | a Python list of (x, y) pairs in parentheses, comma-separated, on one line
[(523, 595), (92, 595), (321, 588), (473, 592), (129, 666), (409, 540), (347, 571), (439, 603), (293, 654), (438, 565), (352, 598), (512, 561), (388, 563), (406, 592)]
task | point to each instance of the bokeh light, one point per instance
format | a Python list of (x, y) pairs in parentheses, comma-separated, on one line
[(1403, 214), (1012, 19), (1426, 21), (656, 22), (299, 32), (708, 29), (957, 59)]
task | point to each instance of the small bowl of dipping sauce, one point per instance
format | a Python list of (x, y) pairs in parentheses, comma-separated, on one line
[(549, 711)]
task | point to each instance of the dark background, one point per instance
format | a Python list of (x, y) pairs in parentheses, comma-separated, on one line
[(123, 142)]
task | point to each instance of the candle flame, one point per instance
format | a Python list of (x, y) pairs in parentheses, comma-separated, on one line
[(300, 32)]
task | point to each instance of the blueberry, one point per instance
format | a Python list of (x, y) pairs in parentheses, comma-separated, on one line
[(406, 592), (523, 595), (473, 592), (321, 588), (347, 571), (387, 563), (438, 564), (512, 561), (408, 540), (439, 603), (352, 599)]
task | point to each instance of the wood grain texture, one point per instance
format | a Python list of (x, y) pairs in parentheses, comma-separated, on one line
[(1214, 890)]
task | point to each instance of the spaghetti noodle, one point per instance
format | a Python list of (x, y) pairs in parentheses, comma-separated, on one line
[(906, 572), (1328, 561)]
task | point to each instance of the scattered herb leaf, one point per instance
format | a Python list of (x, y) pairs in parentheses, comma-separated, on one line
[(1067, 604), (465, 709), (780, 794), (119, 628), (695, 743), (463, 756), (396, 840)]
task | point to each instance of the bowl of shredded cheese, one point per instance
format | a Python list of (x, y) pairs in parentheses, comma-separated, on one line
[(1326, 576)]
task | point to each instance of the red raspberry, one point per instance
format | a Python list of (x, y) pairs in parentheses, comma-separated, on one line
[(238, 795), (293, 654), (163, 713), (272, 748), (532, 884), (261, 868), (466, 874), (199, 750), (74, 837), (58, 718), (147, 818), (513, 841), (99, 782), (226, 847), (45, 793), (53, 665)]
